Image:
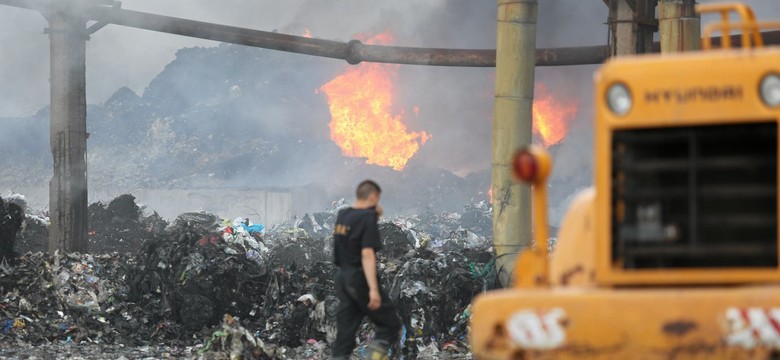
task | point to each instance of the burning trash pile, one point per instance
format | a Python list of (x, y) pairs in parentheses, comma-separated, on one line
[(232, 290)]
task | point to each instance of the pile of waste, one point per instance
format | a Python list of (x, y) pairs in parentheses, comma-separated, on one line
[(189, 276), (68, 299), (11, 221), (119, 226), (34, 235), (446, 231), (231, 289)]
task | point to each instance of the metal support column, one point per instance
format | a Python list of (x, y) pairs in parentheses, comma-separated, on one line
[(623, 28), (680, 26), (646, 25), (68, 186), (516, 43)]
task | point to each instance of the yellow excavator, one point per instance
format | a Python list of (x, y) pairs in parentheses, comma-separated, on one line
[(673, 254)]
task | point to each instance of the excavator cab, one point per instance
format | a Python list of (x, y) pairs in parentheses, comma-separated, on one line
[(674, 251)]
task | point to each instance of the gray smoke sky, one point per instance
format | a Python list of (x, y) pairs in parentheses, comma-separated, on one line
[(119, 56), (456, 104)]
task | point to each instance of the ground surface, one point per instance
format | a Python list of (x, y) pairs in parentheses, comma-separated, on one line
[(68, 351)]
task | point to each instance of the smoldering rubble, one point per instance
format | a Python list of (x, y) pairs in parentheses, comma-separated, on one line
[(205, 287)]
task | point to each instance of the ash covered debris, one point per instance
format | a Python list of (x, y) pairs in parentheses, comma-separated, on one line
[(11, 220), (119, 226), (189, 276), (67, 298), (213, 291)]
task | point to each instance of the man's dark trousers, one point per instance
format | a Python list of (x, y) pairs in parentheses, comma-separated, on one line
[(352, 291)]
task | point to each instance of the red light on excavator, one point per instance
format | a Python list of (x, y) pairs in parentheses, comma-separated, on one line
[(525, 166), (531, 164)]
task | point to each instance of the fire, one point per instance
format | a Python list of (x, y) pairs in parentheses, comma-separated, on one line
[(306, 33), (362, 122), (551, 116)]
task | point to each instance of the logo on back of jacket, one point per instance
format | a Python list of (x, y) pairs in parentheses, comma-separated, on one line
[(341, 230)]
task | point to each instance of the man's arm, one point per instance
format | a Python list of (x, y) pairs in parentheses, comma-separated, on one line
[(368, 259)]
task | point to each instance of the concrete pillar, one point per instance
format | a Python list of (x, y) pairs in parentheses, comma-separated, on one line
[(679, 25), (515, 64), (68, 186), (623, 28)]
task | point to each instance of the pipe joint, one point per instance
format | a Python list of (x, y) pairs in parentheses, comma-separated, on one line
[(353, 52)]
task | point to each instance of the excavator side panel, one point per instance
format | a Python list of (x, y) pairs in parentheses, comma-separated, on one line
[(670, 323), (573, 262)]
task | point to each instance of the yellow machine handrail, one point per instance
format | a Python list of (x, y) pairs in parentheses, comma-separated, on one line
[(750, 28)]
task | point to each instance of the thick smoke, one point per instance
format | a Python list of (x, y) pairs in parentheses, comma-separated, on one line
[(265, 124)]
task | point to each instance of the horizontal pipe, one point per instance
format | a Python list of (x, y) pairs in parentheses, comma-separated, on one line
[(770, 38), (353, 52), (216, 32), (358, 52), (566, 56)]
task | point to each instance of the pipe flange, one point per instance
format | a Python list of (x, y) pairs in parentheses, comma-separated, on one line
[(353, 49)]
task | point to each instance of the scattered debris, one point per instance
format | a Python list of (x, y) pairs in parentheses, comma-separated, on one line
[(229, 291), (120, 226), (11, 219)]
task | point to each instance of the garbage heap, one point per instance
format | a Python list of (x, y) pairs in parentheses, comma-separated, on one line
[(280, 293), (118, 226), (189, 276), (11, 220), (474, 222), (203, 284), (432, 266), (68, 298)]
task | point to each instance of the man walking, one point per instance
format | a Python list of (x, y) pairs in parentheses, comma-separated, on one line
[(355, 243)]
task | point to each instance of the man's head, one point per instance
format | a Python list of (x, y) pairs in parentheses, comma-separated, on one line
[(368, 193)]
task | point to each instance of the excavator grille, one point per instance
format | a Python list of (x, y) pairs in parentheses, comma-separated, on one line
[(695, 197)]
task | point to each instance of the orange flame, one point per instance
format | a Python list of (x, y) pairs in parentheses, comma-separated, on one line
[(551, 116), (306, 33), (362, 123)]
